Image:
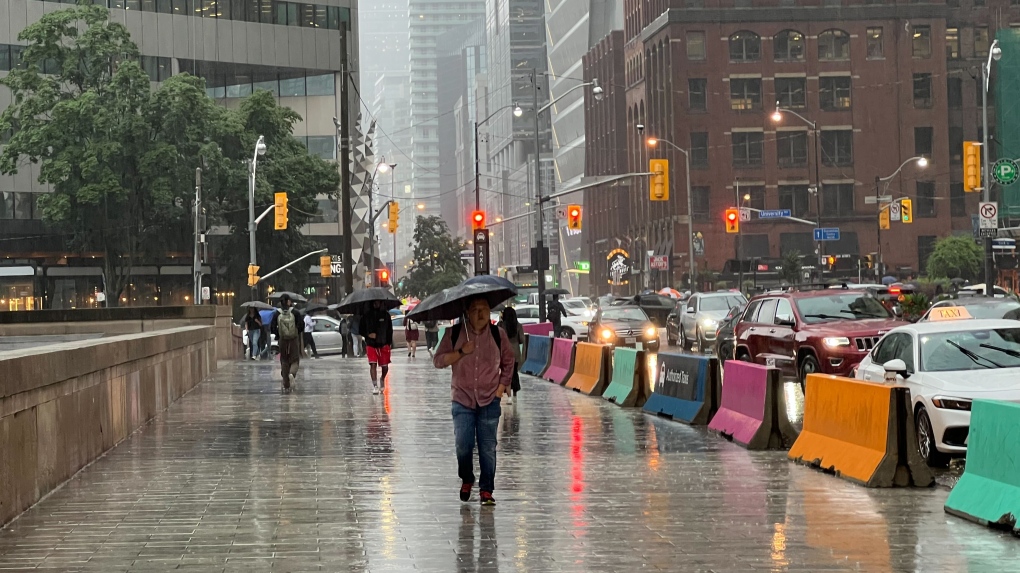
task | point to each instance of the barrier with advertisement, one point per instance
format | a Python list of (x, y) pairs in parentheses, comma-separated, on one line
[(752, 411), (537, 358), (629, 386), (989, 489), (860, 431), (686, 388), (561, 362), (591, 372)]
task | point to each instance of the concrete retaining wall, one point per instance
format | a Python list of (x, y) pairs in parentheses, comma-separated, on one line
[(62, 406)]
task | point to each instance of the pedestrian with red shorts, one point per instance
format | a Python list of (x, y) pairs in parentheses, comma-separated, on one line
[(377, 328)]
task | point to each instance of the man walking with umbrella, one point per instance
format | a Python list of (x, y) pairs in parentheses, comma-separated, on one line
[(377, 328), (288, 326)]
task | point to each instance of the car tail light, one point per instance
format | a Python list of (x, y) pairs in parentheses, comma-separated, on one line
[(895, 290)]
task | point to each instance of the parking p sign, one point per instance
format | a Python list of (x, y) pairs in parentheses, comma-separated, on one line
[(1005, 171)]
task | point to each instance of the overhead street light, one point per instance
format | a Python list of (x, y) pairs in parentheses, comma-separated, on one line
[(654, 142), (922, 162)]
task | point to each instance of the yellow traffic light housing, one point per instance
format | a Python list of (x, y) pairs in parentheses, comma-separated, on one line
[(253, 275), (574, 217), (907, 211), (394, 216), (883, 219), (325, 268), (732, 221), (658, 185), (280, 212), (971, 167)]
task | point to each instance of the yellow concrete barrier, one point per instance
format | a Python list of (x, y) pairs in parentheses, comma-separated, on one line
[(591, 375), (860, 431)]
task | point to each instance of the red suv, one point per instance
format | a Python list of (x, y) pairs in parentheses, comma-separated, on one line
[(807, 331)]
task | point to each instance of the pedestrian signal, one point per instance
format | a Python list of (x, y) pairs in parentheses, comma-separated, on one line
[(732, 221)]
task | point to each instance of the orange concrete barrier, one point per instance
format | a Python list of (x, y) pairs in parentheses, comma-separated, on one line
[(860, 431), (591, 369)]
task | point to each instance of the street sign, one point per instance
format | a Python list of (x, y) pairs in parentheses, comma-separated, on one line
[(561, 211), (481, 251), (206, 293), (774, 214), (989, 213), (827, 234), (745, 215), (1004, 244), (658, 262), (871, 199), (894, 211), (987, 233), (1005, 171)]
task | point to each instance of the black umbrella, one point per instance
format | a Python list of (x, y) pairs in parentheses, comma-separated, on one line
[(258, 305), (557, 292), (360, 301), (452, 302), (492, 280), (315, 307), (294, 297)]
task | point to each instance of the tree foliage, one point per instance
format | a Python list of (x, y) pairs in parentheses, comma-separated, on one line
[(121, 157), (437, 263), (955, 257), (791, 267)]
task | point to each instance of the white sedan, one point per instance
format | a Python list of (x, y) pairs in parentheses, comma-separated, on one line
[(570, 325), (946, 365)]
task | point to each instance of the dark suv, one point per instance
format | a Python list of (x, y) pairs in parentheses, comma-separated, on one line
[(806, 331)]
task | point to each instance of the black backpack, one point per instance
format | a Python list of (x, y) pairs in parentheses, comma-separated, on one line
[(455, 334)]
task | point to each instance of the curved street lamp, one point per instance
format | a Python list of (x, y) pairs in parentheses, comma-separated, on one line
[(653, 142), (922, 162)]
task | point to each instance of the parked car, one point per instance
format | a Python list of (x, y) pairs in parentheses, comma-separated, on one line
[(724, 339), (656, 306), (947, 365), (578, 307), (570, 325), (694, 322), (979, 289), (806, 331), (980, 307), (624, 326)]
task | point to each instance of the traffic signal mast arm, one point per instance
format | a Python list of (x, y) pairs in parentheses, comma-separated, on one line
[(294, 262), (264, 213)]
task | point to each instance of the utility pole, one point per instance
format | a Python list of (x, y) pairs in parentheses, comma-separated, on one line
[(199, 233), (740, 237), (344, 157), (542, 258)]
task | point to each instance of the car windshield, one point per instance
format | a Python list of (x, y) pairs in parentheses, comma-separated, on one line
[(970, 350), (625, 314), (574, 304), (721, 302), (845, 306), (991, 310)]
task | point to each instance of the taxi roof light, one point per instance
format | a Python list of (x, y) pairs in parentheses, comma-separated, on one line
[(947, 313)]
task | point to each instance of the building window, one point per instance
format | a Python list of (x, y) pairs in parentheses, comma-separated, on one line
[(921, 45), (952, 43), (922, 90), (757, 193), (876, 47), (322, 146), (923, 141), (747, 148), (925, 207), (838, 147), (794, 198), (954, 92), (699, 149), (925, 246), (745, 46), (838, 200), (956, 144), (791, 92), (834, 92), (700, 197), (788, 46), (981, 42), (696, 46), (697, 95), (745, 94), (833, 45), (957, 200), (791, 148)]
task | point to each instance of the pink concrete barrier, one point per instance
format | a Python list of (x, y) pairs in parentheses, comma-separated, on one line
[(561, 365), (541, 329), (753, 410)]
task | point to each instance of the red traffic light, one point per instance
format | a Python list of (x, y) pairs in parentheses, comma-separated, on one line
[(575, 212), (478, 220), (731, 216)]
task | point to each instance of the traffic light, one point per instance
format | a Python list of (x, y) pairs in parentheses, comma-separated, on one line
[(280, 213), (831, 260), (869, 261), (658, 185), (325, 268), (574, 217), (384, 277), (394, 216), (477, 220), (883, 219), (907, 211), (253, 275), (971, 167), (732, 221)]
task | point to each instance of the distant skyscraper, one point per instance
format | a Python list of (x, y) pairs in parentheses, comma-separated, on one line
[(384, 43), (430, 19)]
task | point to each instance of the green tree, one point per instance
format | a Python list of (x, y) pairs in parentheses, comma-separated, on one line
[(437, 263), (791, 267), (955, 257)]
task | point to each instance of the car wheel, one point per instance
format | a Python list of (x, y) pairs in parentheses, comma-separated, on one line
[(684, 343), (670, 341), (566, 332), (724, 352), (926, 441), (809, 365), (743, 356)]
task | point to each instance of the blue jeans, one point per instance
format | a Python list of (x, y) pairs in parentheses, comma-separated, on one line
[(471, 425), (253, 342)]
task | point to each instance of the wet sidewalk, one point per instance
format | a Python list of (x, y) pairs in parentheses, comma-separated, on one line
[(237, 477)]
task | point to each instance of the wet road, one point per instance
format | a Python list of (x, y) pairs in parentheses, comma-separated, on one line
[(237, 477)]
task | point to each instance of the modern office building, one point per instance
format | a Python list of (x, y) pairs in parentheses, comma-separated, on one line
[(294, 50)]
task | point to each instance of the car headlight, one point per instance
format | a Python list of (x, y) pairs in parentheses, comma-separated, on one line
[(651, 332), (606, 333), (709, 322), (951, 403), (834, 341), (584, 323)]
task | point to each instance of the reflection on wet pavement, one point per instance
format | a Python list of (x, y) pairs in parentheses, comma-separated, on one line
[(236, 476)]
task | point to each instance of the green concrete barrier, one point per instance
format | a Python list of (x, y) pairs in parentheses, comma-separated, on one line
[(629, 386), (989, 489)]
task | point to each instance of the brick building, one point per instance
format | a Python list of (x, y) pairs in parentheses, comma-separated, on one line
[(882, 82)]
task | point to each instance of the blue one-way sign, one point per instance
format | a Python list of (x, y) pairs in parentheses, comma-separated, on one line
[(827, 234), (774, 214)]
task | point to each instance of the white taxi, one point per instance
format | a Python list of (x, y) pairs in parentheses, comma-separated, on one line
[(946, 364)]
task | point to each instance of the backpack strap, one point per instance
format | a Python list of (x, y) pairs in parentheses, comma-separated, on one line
[(495, 335)]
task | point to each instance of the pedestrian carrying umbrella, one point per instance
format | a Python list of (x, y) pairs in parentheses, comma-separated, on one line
[(494, 281), (257, 304), (360, 301), (452, 302), (557, 292), (315, 307), (294, 297)]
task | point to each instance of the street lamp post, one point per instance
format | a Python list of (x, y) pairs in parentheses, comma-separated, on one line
[(392, 167), (777, 116), (518, 112), (260, 149), (652, 142), (994, 53), (922, 162)]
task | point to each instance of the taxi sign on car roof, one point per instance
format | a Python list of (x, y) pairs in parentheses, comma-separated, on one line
[(944, 313)]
